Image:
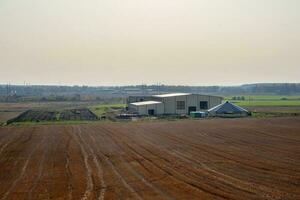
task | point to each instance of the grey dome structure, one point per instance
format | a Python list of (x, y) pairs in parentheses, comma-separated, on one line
[(228, 109)]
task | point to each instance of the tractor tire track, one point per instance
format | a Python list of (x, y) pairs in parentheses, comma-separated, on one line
[(96, 162), (11, 140), (176, 175), (125, 183), (117, 173), (67, 166), (23, 170), (110, 134), (89, 179), (172, 170), (228, 183), (40, 169)]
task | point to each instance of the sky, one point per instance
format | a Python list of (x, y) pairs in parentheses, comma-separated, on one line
[(174, 42)]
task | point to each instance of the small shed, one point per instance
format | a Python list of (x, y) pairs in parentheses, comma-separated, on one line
[(228, 109), (147, 107)]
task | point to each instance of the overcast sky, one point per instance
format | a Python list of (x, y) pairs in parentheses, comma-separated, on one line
[(120, 42)]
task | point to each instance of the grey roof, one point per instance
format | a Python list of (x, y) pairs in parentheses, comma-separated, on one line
[(226, 108)]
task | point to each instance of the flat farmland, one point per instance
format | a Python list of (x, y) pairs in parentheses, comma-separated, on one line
[(193, 159)]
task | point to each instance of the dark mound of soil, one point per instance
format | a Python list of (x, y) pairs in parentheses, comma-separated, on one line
[(65, 115), (35, 115), (78, 114)]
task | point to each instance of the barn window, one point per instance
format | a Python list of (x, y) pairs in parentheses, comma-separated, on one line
[(180, 105), (203, 105)]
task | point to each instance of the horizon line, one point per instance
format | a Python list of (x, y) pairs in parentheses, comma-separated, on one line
[(153, 84)]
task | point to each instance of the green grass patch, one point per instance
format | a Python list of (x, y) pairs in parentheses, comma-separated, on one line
[(274, 114), (101, 109)]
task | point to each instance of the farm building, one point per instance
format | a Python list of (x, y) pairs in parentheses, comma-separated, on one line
[(228, 109), (132, 99), (172, 104), (147, 107)]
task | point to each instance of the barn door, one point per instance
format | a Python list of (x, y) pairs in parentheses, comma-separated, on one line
[(151, 112), (192, 109)]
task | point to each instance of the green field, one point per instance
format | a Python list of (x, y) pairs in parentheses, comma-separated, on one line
[(249, 101), (268, 106)]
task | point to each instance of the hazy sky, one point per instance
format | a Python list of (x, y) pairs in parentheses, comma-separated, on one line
[(111, 42)]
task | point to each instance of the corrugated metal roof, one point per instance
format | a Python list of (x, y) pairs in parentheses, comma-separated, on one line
[(145, 103), (172, 95)]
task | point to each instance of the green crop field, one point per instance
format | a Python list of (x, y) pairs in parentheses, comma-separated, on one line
[(267, 103), (249, 101), (268, 106)]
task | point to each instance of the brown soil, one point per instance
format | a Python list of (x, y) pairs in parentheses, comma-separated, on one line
[(205, 159)]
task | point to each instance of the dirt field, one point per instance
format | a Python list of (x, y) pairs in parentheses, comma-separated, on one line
[(206, 159)]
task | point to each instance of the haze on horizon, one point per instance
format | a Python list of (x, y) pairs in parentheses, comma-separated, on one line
[(115, 42)]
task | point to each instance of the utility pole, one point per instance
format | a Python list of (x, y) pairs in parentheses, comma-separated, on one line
[(7, 91), (159, 89), (143, 89)]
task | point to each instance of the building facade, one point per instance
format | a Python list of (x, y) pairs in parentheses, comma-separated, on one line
[(147, 108), (173, 104)]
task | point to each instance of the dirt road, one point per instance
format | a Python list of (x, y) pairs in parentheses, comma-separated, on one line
[(206, 159)]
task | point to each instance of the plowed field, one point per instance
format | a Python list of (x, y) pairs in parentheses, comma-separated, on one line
[(206, 159)]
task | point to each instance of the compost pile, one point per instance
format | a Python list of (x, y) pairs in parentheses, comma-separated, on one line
[(78, 114), (35, 116), (64, 115)]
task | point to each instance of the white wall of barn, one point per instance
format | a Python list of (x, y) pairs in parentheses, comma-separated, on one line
[(190, 100), (169, 105), (158, 109)]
